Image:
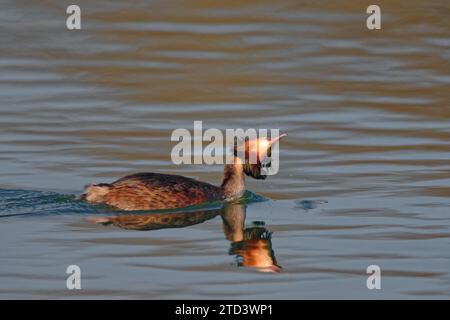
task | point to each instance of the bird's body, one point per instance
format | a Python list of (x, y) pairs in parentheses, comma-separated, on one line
[(154, 191)]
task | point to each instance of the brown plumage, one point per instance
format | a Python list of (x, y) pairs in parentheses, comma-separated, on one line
[(153, 191), (156, 221)]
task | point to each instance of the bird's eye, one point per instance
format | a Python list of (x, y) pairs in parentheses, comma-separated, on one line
[(266, 164)]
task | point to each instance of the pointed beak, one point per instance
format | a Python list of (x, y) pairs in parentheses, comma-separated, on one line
[(273, 140)]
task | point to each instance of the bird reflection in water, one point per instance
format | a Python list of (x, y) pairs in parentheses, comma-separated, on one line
[(252, 245)]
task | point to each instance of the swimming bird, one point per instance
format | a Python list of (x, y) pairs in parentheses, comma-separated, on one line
[(154, 191)]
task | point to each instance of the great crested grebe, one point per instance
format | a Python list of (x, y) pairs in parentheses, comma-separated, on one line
[(153, 191)]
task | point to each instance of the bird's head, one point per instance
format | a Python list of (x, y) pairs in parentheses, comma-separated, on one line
[(256, 154)]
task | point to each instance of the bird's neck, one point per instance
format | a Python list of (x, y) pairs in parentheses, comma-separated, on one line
[(233, 180)]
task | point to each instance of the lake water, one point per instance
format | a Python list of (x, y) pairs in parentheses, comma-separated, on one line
[(365, 171)]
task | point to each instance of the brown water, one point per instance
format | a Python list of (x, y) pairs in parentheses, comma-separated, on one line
[(365, 172)]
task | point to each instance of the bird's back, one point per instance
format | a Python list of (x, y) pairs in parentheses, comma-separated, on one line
[(152, 191)]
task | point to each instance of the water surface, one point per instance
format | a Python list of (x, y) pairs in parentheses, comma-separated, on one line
[(364, 175)]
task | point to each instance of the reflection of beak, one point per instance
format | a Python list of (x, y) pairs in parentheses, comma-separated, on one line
[(273, 268), (273, 140)]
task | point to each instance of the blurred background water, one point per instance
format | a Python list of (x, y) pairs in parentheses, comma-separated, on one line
[(364, 175)]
